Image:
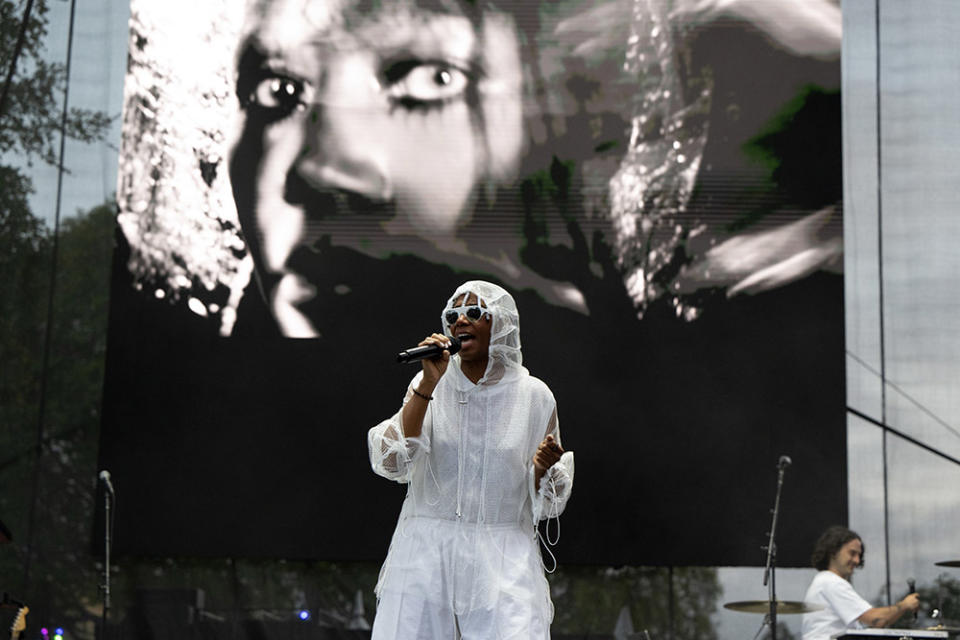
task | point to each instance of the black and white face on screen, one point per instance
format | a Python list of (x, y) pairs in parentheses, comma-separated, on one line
[(367, 129)]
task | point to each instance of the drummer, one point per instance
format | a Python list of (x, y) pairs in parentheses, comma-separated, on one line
[(837, 553)]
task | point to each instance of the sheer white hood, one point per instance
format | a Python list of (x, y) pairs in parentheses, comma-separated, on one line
[(505, 329)]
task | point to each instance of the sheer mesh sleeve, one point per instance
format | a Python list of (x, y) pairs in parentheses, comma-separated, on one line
[(391, 454), (556, 485)]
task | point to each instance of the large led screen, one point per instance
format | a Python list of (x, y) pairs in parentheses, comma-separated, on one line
[(303, 183)]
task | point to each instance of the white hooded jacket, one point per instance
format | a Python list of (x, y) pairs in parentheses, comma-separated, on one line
[(471, 479)]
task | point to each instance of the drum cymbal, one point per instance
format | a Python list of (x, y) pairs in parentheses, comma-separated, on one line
[(763, 606), (948, 563)]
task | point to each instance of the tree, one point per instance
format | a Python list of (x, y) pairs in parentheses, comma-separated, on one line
[(23, 242), (23, 247), (943, 596), (43, 460), (63, 580), (31, 118), (587, 600)]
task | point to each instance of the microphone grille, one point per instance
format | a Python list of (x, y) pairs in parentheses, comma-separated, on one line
[(454, 345)]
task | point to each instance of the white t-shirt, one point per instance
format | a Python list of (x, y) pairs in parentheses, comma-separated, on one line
[(841, 607)]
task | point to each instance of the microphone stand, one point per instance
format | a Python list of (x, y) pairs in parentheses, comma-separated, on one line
[(770, 571), (107, 500)]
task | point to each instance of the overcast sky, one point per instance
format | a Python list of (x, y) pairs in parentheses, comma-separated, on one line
[(96, 82)]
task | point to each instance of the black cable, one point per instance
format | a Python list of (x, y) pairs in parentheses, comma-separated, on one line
[(48, 335), (943, 423), (901, 434), (883, 359), (17, 49)]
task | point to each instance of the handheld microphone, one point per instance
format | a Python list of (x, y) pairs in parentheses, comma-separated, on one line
[(428, 352), (784, 462), (912, 587), (105, 476)]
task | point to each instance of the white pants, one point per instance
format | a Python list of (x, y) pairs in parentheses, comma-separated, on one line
[(444, 581), (407, 617)]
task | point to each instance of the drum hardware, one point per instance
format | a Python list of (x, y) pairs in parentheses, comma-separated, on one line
[(763, 606)]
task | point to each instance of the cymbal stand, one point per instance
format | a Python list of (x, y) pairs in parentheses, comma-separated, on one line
[(770, 571)]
